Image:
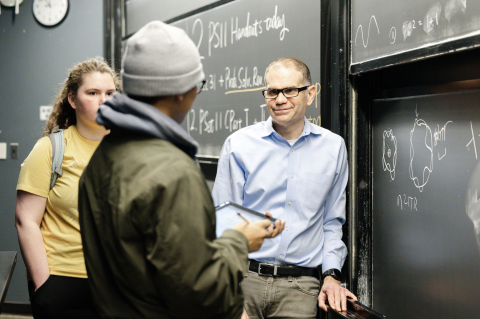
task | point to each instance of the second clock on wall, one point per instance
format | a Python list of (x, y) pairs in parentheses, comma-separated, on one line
[(50, 12)]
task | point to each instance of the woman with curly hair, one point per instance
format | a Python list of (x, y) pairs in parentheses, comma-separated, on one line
[(47, 219)]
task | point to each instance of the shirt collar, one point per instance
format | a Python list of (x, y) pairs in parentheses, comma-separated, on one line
[(268, 128), (307, 128)]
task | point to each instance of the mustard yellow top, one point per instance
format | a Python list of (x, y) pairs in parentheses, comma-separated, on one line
[(60, 227)]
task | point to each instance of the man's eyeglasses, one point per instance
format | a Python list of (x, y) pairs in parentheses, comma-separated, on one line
[(200, 86), (288, 92)]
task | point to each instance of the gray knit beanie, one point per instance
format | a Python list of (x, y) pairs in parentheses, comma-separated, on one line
[(159, 60)]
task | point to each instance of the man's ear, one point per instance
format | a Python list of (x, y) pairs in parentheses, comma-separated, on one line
[(71, 100), (311, 90), (180, 97)]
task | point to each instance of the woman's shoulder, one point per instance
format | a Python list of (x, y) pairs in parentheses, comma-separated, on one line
[(43, 146), (70, 132)]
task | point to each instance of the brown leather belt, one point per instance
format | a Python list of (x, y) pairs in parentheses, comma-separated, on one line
[(282, 270)]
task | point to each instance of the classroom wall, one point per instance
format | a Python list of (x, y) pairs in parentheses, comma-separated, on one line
[(33, 62)]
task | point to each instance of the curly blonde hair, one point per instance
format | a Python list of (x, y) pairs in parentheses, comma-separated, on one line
[(63, 115)]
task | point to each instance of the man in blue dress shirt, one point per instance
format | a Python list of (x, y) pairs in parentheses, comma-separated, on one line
[(298, 171)]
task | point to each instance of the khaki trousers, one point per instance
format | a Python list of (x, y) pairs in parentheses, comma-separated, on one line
[(280, 297)]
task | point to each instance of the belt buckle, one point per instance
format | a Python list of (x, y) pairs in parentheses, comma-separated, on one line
[(260, 267)]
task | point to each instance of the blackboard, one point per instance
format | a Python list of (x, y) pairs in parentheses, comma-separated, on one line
[(426, 188), (382, 29), (237, 41)]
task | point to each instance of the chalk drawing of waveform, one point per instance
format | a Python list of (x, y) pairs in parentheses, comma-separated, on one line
[(360, 27)]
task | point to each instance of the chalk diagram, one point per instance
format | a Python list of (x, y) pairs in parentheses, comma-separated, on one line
[(360, 27), (472, 202), (389, 157), (421, 153)]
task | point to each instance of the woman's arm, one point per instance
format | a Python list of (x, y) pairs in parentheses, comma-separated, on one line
[(28, 217)]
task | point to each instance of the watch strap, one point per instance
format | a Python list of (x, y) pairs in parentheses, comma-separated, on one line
[(335, 273)]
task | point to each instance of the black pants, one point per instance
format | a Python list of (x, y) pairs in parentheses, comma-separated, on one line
[(62, 297)]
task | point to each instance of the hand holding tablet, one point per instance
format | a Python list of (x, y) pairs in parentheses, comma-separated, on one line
[(254, 225)]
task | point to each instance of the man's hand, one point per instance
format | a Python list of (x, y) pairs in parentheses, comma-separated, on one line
[(244, 315), (335, 294), (256, 232)]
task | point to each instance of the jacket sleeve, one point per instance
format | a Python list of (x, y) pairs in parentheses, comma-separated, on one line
[(334, 249), (197, 274)]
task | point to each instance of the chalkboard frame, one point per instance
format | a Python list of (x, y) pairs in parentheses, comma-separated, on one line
[(372, 85), (416, 54)]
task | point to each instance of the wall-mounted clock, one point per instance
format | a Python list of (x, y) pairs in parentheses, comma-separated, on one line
[(50, 12)]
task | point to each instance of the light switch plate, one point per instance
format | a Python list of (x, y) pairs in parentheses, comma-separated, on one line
[(3, 150), (45, 111), (13, 150)]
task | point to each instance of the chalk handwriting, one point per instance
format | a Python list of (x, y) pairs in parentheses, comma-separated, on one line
[(407, 202), (217, 35), (199, 23), (360, 28), (407, 29), (250, 30), (276, 22), (317, 92), (392, 35), (389, 158), (430, 21), (237, 30), (314, 120), (439, 135), (209, 122), (242, 79), (472, 141), (191, 123)]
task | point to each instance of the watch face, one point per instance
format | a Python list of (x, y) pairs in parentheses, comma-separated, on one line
[(50, 12)]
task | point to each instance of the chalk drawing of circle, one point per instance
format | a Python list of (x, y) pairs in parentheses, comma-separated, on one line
[(421, 166), (472, 202), (389, 156)]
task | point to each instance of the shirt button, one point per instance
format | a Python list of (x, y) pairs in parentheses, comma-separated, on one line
[(289, 203), (287, 229), (281, 256), (291, 150), (291, 176)]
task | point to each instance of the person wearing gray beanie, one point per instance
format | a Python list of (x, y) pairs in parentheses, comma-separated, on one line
[(160, 60), (147, 218)]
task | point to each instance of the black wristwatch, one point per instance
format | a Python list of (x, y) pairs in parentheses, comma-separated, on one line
[(334, 273)]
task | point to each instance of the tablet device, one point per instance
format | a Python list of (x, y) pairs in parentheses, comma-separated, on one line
[(227, 216)]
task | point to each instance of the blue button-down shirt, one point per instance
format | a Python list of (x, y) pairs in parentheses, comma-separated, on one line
[(303, 184)]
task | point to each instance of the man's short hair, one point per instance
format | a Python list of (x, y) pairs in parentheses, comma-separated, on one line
[(291, 62)]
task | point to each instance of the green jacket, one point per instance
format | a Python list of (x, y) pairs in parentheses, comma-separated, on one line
[(148, 228)]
